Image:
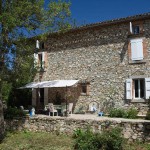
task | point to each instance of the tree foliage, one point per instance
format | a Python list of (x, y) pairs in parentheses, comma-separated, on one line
[(19, 22)]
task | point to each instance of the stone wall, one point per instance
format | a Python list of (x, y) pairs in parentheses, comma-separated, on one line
[(100, 56), (1, 121), (132, 129)]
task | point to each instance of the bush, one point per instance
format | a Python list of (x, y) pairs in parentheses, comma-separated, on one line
[(121, 113), (132, 113), (148, 115), (12, 112), (107, 140), (84, 140), (118, 112)]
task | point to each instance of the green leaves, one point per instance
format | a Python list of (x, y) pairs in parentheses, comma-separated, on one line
[(19, 20)]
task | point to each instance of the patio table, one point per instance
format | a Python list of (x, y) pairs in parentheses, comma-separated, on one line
[(58, 108)]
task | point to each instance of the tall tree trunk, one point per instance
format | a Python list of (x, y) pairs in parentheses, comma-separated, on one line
[(2, 129), (1, 105)]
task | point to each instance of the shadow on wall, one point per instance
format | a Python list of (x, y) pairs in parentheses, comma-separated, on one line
[(124, 51), (58, 95)]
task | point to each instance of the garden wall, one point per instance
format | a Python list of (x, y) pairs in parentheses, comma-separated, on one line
[(132, 129)]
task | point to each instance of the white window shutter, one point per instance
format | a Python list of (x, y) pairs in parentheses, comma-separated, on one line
[(128, 88), (147, 88), (35, 59), (37, 44), (137, 49), (131, 27)]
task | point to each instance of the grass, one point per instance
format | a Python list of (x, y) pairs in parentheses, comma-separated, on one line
[(48, 141), (36, 141)]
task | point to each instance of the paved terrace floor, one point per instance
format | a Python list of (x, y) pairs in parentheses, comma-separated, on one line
[(91, 117)]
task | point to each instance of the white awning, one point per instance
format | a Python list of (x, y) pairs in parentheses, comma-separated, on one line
[(50, 84)]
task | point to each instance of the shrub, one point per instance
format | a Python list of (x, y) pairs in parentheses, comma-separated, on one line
[(118, 112), (84, 140), (121, 113), (132, 113), (148, 115), (108, 139), (12, 112)]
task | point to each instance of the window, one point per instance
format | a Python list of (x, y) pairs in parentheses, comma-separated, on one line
[(39, 45), (136, 29), (136, 49), (42, 45), (40, 60), (85, 87), (138, 88)]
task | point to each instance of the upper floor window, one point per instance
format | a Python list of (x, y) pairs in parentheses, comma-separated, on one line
[(40, 60), (136, 27), (39, 45)]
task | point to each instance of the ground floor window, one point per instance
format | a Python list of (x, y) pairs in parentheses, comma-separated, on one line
[(138, 88), (85, 88)]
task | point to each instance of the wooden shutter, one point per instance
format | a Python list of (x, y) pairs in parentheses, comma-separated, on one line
[(35, 60), (45, 96), (137, 49), (147, 88), (34, 97), (128, 88)]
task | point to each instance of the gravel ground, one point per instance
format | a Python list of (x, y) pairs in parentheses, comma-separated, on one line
[(92, 117)]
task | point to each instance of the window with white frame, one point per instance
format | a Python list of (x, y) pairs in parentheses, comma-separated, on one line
[(137, 49), (138, 88), (39, 60)]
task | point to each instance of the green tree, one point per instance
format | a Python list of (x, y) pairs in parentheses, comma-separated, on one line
[(19, 20)]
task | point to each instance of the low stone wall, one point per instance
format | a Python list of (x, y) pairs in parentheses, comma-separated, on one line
[(132, 129)]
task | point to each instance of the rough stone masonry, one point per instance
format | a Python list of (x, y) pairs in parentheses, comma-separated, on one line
[(99, 54)]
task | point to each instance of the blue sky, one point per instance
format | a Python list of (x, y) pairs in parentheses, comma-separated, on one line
[(92, 11)]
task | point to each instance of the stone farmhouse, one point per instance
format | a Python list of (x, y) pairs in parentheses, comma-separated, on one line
[(109, 60)]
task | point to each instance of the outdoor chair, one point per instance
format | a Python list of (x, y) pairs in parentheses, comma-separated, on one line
[(24, 110), (69, 108), (52, 109)]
